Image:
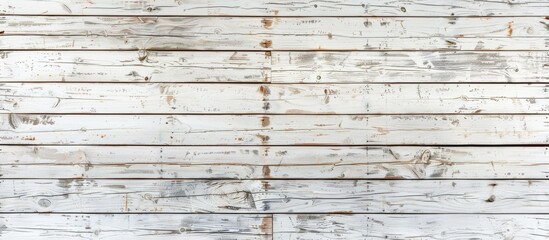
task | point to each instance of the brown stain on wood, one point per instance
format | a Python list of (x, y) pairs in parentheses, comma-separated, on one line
[(266, 43), (265, 121), (267, 23), (266, 226), (266, 171), (510, 29)]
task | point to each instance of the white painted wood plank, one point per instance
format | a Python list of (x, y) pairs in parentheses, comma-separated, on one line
[(421, 162), (275, 196), (134, 226), (134, 66), (273, 130), (277, 8), (254, 33), (360, 67), (273, 98), (376, 226), (287, 67)]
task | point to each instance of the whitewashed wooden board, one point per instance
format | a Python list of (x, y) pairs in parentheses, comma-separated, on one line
[(275, 196), (134, 66), (255, 33), (274, 130), (395, 226), (135, 226), (286, 67), (273, 98), (213, 162), (277, 8), (413, 66)]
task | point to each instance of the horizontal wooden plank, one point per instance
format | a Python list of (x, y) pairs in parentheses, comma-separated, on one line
[(135, 226), (273, 98), (273, 130), (255, 33), (421, 162), (361, 67), (275, 196), (137, 66), (277, 8), (373, 226), (287, 67)]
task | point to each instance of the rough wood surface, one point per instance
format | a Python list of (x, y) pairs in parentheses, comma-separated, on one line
[(421, 162), (273, 130), (286, 67), (134, 226), (273, 98), (275, 196), (134, 66), (255, 33), (377, 226), (423, 67), (277, 8)]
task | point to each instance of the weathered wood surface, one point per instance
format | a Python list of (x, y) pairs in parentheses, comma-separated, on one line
[(134, 66), (273, 98), (277, 8), (421, 162), (255, 33), (275, 196), (376, 226), (286, 67), (134, 226), (274, 130), (363, 67)]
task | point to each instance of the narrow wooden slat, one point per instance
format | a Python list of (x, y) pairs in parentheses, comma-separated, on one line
[(422, 162), (134, 226), (137, 66), (254, 33), (273, 130), (276, 99), (360, 67), (287, 67), (376, 226), (277, 8), (275, 196)]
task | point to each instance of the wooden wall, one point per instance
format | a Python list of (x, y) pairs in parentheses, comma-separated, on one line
[(278, 119)]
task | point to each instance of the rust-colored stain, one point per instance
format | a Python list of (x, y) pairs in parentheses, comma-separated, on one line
[(267, 23), (265, 121), (266, 171), (264, 138), (266, 43), (510, 29), (170, 100), (266, 227), (264, 90)]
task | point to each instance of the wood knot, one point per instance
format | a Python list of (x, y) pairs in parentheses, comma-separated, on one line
[(142, 55), (44, 203), (492, 198), (266, 43)]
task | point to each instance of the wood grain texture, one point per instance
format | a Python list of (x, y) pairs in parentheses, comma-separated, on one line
[(277, 8), (377, 226), (286, 67), (134, 226), (423, 67), (273, 130), (254, 33), (421, 162), (273, 98), (134, 66), (275, 196)]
